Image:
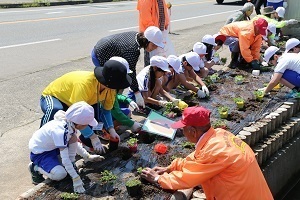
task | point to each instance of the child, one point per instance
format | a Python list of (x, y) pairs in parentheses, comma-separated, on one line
[(177, 76), (58, 137), (150, 84), (190, 64), (292, 46), (286, 71)]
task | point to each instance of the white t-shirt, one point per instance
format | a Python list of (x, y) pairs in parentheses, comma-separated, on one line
[(54, 134), (143, 79), (289, 61)]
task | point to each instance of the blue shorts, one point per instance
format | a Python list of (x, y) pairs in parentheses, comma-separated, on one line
[(47, 160), (275, 5), (292, 77)]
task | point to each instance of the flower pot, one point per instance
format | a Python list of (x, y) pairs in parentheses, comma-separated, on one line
[(239, 82), (133, 149), (134, 190), (259, 97), (113, 144), (240, 104), (223, 115)]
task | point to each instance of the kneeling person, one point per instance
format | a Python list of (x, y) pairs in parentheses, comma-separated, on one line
[(58, 137)]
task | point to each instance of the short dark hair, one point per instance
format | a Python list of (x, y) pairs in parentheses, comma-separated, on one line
[(142, 40), (276, 53)]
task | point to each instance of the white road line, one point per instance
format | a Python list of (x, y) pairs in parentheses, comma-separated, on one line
[(177, 20), (50, 13), (46, 9), (30, 43)]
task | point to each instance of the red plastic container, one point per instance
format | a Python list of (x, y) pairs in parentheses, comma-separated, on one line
[(161, 148), (133, 149)]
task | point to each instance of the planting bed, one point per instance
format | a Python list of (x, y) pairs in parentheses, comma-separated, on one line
[(124, 165)]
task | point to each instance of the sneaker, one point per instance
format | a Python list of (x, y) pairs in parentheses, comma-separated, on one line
[(35, 175)]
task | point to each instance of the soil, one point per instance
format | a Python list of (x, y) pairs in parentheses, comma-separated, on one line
[(124, 164)]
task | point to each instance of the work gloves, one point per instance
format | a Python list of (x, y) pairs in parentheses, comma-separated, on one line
[(291, 21), (205, 90), (162, 103), (175, 101), (133, 105), (200, 94), (285, 4), (216, 59), (97, 146), (78, 185), (114, 134), (136, 127), (139, 99)]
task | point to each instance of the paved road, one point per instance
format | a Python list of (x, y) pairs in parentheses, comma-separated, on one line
[(38, 45)]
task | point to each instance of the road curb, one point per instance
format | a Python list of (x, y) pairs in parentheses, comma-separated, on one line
[(33, 190)]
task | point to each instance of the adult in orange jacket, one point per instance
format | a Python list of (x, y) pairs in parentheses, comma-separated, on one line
[(222, 164), (245, 38), (155, 13)]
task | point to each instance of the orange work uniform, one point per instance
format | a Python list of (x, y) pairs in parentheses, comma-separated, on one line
[(249, 43), (149, 14), (223, 165)]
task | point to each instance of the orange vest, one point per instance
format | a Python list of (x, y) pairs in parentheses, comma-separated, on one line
[(223, 165), (149, 14), (249, 42)]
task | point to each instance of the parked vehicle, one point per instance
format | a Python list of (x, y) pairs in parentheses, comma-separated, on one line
[(243, 1)]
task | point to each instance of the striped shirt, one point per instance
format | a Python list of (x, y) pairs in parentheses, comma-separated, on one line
[(123, 45)]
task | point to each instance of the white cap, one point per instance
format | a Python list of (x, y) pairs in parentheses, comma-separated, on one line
[(123, 61), (174, 62), (270, 52), (272, 28), (160, 62), (209, 39), (280, 11), (193, 59), (199, 48), (81, 113), (291, 43), (154, 35)]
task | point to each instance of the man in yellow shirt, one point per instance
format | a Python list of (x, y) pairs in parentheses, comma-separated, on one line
[(97, 88), (222, 164)]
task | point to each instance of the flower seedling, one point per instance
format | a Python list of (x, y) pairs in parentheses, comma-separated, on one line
[(133, 187), (223, 60), (239, 102), (259, 95), (214, 77), (139, 170), (223, 111), (132, 144), (219, 124), (188, 145), (239, 79), (107, 176), (67, 196)]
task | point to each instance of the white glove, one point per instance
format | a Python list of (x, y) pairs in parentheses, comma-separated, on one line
[(216, 59), (78, 185), (200, 94), (114, 134), (136, 127), (98, 148), (205, 90), (175, 101), (264, 63), (133, 105), (93, 158), (163, 103), (139, 99), (292, 21), (262, 89), (285, 4)]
